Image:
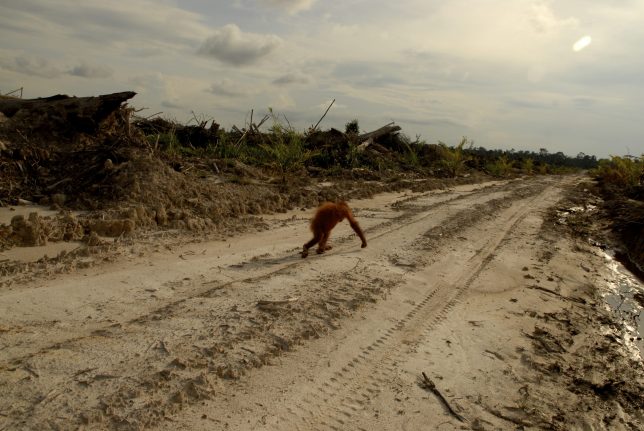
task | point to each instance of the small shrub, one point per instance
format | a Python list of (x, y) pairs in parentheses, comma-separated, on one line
[(226, 148), (353, 155), (499, 168), (166, 142), (285, 151), (453, 159), (527, 166), (352, 127), (411, 156)]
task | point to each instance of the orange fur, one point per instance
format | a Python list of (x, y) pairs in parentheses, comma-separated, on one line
[(326, 217)]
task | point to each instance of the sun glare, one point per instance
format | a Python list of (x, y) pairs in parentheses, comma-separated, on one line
[(581, 43)]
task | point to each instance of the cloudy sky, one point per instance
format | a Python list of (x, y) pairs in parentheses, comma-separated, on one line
[(505, 73)]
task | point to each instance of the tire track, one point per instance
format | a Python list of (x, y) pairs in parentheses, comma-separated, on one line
[(411, 221), (267, 269), (375, 364)]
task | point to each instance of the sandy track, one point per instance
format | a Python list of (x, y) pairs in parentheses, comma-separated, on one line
[(169, 338)]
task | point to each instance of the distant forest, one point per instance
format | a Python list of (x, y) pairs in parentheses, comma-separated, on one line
[(482, 156)]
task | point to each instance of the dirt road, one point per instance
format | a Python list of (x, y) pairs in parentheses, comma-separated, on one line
[(468, 285)]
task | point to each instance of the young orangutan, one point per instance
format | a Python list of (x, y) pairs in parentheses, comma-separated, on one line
[(326, 217)]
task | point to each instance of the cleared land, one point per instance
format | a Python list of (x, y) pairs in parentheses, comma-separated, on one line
[(474, 286)]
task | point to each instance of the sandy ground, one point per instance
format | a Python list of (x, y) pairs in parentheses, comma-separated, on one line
[(503, 314)]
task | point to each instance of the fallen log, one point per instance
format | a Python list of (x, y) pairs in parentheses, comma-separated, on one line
[(99, 106), (383, 131), (81, 114)]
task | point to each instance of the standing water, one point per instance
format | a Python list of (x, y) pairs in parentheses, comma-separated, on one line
[(624, 294)]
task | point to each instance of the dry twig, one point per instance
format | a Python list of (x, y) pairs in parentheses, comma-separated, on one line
[(325, 112), (267, 304), (429, 385)]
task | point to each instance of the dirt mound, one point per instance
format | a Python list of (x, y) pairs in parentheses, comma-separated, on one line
[(61, 149)]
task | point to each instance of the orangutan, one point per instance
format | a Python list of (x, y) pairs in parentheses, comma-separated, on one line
[(326, 217)]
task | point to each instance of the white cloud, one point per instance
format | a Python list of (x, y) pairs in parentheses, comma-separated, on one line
[(147, 82), (500, 71), (544, 20), (143, 22), (291, 6), (45, 68), (230, 45), (282, 101), (172, 104), (293, 78), (32, 66), (324, 105), (91, 71), (228, 88)]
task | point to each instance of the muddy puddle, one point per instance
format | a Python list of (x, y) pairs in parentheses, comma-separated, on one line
[(624, 294)]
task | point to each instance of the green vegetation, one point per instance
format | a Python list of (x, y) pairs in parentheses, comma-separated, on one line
[(166, 141), (527, 166), (353, 155), (621, 183), (352, 127), (624, 172), (287, 151), (500, 167), (226, 148), (541, 159), (411, 157), (453, 159)]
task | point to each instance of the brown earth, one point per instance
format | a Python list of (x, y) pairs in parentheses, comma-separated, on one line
[(478, 286)]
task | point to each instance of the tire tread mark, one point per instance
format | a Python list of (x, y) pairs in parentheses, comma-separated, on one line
[(423, 318)]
